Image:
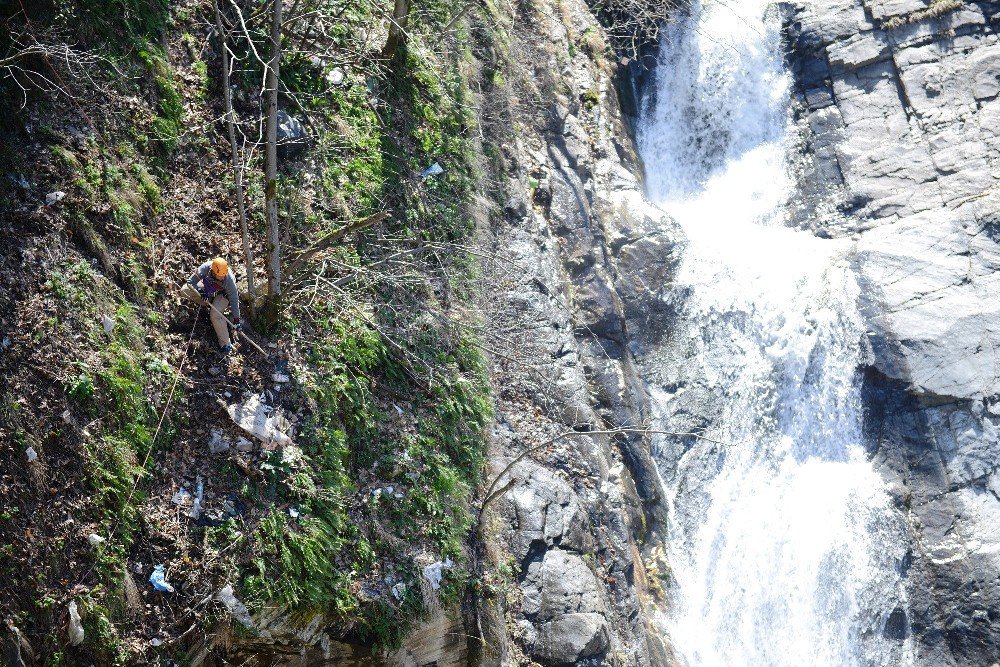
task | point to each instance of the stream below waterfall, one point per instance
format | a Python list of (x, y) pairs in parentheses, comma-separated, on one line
[(783, 544)]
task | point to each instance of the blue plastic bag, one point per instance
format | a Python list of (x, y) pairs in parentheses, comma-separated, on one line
[(159, 581)]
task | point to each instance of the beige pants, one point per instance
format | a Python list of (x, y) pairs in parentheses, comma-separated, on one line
[(220, 303)]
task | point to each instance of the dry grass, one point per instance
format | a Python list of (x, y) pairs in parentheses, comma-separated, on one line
[(935, 10)]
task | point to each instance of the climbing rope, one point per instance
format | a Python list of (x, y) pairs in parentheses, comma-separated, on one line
[(156, 435)]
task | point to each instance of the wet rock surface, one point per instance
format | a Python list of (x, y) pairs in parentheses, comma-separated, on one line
[(901, 101), (590, 260)]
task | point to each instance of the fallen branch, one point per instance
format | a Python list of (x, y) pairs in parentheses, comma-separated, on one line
[(492, 494), (322, 244)]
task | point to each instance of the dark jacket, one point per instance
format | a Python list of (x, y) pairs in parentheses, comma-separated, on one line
[(209, 287)]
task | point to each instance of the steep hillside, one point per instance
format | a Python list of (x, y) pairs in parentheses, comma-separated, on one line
[(391, 352), (115, 390)]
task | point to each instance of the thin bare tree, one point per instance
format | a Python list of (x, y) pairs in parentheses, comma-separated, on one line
[(237, 157), (271, 163)]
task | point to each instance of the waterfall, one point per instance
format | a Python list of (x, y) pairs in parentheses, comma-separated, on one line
[(783, 543)]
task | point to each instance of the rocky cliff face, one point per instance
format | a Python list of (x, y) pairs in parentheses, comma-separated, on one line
[(899, 103), (901, 100), (586, 258)]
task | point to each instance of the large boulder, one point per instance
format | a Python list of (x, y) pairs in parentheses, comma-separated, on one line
[(570, 638)]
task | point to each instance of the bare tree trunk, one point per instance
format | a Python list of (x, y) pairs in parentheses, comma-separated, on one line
[(237, 157), (271, 163), (397, 28)]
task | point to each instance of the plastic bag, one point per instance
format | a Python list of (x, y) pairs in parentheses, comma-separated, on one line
[(159, 581), (256, 418), (434, 572), (76, 632), (237, 609)]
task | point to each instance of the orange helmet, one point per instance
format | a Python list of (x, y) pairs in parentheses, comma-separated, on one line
[(220, 268)]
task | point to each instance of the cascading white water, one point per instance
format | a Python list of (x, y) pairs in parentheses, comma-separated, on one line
[(782, 541)]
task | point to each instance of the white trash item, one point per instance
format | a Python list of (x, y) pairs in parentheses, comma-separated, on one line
[(109, 324), (95, 540), (218, 443), (434, 572), (199, 501), (261, 421), (182, 497), (31, 454), (237, 609), (54, 198), (75, 626), (399, 590), (335, 76)]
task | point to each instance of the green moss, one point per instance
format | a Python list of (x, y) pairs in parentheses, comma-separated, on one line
[(121, 23), (100, 634), (65, 157), (170, 104), (148, 186)]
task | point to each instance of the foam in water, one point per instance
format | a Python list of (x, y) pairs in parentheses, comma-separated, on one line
[(783, 543)]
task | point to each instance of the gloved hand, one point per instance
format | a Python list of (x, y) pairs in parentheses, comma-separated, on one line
[(237, 324), (204, 295)]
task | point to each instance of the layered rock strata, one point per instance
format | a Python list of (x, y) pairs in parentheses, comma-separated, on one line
[(900, 101)]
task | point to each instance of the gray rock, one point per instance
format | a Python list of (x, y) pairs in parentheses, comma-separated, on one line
[(571, 638), (561, 583), (548, 512), (918, 151)]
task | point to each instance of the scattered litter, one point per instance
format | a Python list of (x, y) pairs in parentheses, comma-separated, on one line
[(292, 512), (20, 181), (182, 497), (238, 610), (32, 454), (434, 572), (432, 170), (67, 416), (280, 377), (108, 322), (155, 642), (211, 519), (160, 583), (75, 626), (95, 540), (199, 499), (291, 135), (255, 418), (54, 197), (335, 77), (399, 410), (6, 342), (227, 394), (399, 590), (214, 370), (244, 445), (398, 496), (218, 443)]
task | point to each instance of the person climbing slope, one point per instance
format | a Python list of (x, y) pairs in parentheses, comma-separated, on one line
[(213, 283)]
